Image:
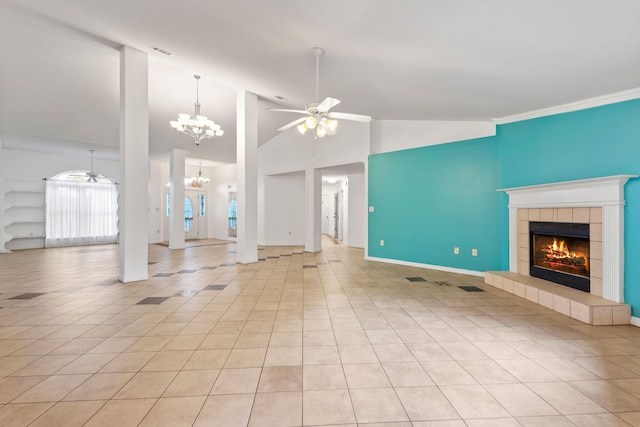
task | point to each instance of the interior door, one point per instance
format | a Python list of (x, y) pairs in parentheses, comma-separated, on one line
[(191, 220), (326, 213), (337, 216)]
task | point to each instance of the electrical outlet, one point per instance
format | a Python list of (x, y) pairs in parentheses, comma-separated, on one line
[(456, 251), (474, 252), (371, 209), (381, 242)]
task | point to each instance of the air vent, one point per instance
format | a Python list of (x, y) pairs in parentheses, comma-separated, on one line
[(157, 49)]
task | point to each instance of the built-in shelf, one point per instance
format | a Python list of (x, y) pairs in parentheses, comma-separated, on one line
[(25, 215), (27, 222), (26, 191)]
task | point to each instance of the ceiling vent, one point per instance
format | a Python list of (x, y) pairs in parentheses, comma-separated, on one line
[(157, 49)]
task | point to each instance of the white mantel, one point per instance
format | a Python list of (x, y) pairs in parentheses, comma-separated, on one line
[(607, 193)]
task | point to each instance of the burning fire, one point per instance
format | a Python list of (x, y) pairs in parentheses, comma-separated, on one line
[(560, 250), (559, 254)]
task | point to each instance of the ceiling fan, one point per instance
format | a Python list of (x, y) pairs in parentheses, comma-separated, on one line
[(316, 114), (90, 176)]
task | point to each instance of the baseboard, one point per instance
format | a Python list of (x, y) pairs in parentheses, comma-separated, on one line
[(635, 321), (133, 278), (246, 260), (429, 266)]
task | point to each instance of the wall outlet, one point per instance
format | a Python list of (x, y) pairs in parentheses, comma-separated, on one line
[(474, 252), (371, 209), (381, 242), (456, 251)]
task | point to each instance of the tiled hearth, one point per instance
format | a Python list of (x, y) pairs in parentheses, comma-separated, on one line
[(582, 306)]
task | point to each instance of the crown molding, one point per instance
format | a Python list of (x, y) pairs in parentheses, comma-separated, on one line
[(598, 101)]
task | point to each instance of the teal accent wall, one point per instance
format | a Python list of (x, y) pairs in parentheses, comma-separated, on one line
[(590, 143), (429, 200)]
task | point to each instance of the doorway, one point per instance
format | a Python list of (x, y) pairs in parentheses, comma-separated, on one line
[(195, 214)]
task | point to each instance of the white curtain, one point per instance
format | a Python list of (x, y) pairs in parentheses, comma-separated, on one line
[(81, 213)]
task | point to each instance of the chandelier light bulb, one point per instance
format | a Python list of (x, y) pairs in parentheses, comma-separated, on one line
[(302, 128)]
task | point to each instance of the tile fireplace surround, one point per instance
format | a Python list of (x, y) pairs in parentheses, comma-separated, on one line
[(598, 202)]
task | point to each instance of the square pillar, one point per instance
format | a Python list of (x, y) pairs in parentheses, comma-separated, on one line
[(176, 194), (133, 197), (247, 161), (313, 211)]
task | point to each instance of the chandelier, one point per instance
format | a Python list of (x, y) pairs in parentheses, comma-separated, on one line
[(199, 181), (198, 127)]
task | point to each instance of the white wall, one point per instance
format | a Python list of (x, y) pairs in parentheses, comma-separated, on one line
[(394, 135), (157, 174), (291, 152), (284, 210), (23, 171), (356, 211), (223, 180)]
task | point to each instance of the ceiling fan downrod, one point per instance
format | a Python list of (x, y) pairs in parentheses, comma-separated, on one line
[(317, 52)]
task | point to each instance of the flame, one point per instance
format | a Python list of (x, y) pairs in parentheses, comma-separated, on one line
[(561, 248)]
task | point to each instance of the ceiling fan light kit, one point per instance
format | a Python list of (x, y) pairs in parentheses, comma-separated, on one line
[(317, 114), (199, 127)]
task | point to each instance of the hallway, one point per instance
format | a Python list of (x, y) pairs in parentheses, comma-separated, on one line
[(295, 339)]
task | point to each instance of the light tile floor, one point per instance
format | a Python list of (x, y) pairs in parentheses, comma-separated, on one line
[(295, 339)]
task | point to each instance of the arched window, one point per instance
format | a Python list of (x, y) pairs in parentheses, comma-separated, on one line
[(188, 214), (81, 209), (233, 214)]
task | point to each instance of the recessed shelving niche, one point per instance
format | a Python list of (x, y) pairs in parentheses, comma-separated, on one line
[(25, 215)]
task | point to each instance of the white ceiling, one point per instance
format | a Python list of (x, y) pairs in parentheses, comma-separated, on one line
[(409, 60)]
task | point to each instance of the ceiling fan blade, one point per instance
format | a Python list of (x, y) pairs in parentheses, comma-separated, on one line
[(288, 111), (349, 116), (292, 124), (327, 104)]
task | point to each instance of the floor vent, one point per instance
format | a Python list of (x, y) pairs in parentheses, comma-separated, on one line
[(471, 288)]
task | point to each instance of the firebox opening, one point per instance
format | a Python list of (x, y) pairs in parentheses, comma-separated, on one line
[(559, 252)]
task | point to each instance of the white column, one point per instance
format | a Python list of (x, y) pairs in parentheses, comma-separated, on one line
[(613, 252), (313, 211), (366, 203), (176, 194), (247, 162), (134, 165)]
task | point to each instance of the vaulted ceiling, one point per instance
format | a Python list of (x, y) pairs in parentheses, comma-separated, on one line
[(462, 60)]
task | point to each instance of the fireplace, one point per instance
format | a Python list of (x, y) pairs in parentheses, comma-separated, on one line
[(559, 252)]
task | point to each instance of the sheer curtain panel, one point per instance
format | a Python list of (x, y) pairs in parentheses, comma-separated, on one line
[(81, 213)]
